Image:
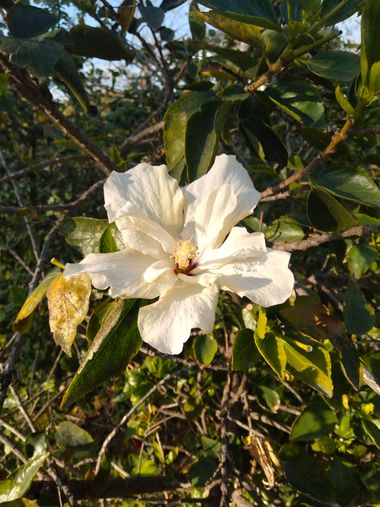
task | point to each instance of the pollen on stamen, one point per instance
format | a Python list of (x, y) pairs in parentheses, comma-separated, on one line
[(184, 255)]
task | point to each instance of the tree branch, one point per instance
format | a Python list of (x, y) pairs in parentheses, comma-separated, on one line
[(314, 241), (32, 93)]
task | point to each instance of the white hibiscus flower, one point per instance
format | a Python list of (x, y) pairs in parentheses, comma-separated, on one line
[(181, 246)]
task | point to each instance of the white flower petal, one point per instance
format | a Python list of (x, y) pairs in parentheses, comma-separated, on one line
[(146, 192), (161, 242), (267, 280), (124, 273), (217, 201), (166, 324), (141, 241), (239, 245)]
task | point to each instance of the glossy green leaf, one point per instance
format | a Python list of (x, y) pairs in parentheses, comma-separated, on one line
[(352, 183), (39, 57), (273, 147), (360, 258), (197, 24), (203, 132), (107, 242), (96, 42), (260, 12), (205, 347), (316, 420), (28, 21), (84, 233), (70, 435), (273, 351), (358, 314), (372, 429), (326, 213), (244, 352), (116, 342), (201, 141), (343, 101), (239, 30), (336, 11), (176, 119), (312, 366), (284, 230), (299, 98), (342, 66), (310, 476)]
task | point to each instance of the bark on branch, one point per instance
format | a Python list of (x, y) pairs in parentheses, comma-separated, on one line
[(32, 93), (313, 241)]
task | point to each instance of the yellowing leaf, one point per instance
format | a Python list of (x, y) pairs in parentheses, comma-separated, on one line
[(68, 300), (35, 297), (261, 328)]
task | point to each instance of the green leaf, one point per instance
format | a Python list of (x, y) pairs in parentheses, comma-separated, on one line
[(345, 481), (205, 347), (66, 72), (168, 5), (114, 345), (284, 230), (176, 119), (96, 42), (312, 366), (69, 435), (39, 57), (84, 233), (360, 258), (273, 351), (27, 21), (372, 429), (36, 296), (310, 476), (273, 147), (260, 12), (316, 420), (309, 317), (203, 132), (370, 44), (300, 99), (240, 58), (239, 30), (18, 483), (343, 101), (270, 397), (201, 140), (342, 66), (197, 24), (341, 12), (153, 16), (326, 213), (244, 352), (352, 183), (358, 314), (107, 242)]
